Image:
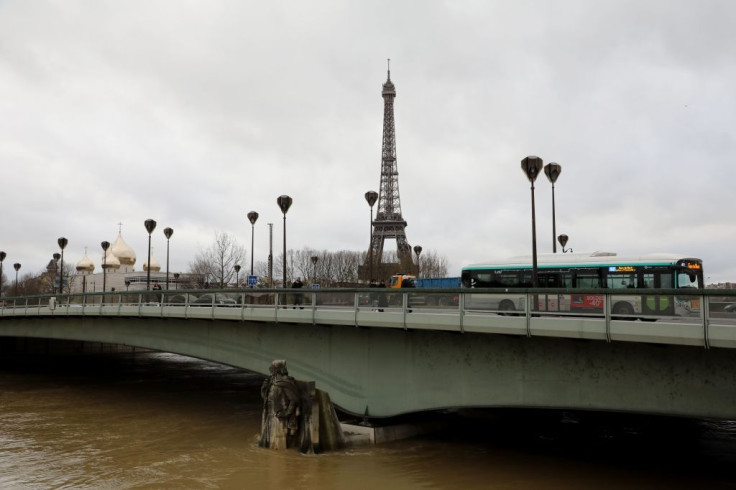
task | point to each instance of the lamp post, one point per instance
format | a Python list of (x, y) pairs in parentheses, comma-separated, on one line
[(237, 271), (105, 245), (16, 266), (2, 258), (532, 166), (168, 232), (270, 255), (62, 245), (552, 171), (371, 197), (150, 226), (284, 203), (252, 217), (563, 241), (314, 259), (417, 251)]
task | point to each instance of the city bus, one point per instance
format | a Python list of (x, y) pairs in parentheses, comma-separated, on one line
[(598, 270)]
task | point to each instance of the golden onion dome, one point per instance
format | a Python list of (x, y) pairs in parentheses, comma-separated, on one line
[(85, 265), (109, 260), (155, 266), (121, 250)]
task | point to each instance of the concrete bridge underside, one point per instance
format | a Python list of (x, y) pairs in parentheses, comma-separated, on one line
[(388, 372)]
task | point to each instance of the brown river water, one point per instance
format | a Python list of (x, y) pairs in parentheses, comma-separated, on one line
[(156, 420)]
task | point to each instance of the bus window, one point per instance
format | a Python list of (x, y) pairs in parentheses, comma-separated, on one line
[(481, 280), (526, 280), (587, 280), (687, 279), (566, 280), (621, 281), (648, 281), (549, 280), (665, 280)]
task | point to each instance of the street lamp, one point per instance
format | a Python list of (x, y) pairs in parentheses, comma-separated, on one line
[(168, 232), (314, 259), (16, 266), (552, 171), (563, 241), (62, 245), (252, 217), (2, 257), (417, 251), (532, 166), (150, 226), (237, 271), (371, 197), (105, 245), (284, 203)]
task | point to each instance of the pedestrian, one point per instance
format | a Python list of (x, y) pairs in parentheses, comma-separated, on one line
[(382, 297), (297, 296)]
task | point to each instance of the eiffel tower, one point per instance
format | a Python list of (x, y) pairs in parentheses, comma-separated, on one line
[(388, 222)]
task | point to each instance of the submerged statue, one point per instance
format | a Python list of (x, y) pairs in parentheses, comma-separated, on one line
[(281, 409)]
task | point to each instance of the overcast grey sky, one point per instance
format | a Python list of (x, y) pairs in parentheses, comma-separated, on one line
[(195, 112)]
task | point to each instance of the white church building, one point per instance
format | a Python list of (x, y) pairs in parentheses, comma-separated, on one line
[(117, 272)]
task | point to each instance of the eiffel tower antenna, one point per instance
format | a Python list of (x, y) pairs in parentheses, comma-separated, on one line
[(389, 222)]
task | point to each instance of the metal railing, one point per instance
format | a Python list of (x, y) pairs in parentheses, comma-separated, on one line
[(704, 318)]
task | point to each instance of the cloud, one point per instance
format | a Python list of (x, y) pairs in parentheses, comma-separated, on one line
[(195, 113)]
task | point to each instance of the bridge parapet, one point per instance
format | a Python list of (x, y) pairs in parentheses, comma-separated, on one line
[(702, 321)]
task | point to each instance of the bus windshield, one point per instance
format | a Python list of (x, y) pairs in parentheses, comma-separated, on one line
[(687, 279)]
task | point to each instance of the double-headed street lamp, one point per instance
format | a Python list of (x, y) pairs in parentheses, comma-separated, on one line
[(284, 203), (532, 166), (62, 245), (168, 232), (552, 171), (150, 226), (371, 197), (252, 217), (2, 258)]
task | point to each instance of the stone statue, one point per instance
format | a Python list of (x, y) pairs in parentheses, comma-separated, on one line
[(281, 409)]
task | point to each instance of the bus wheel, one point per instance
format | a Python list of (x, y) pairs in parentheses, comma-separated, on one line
[(506, 305), (622, 309)]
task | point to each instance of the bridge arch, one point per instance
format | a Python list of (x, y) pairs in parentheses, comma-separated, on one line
[(389, 371)]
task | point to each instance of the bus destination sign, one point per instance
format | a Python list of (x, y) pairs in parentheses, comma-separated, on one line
[(622, 268)]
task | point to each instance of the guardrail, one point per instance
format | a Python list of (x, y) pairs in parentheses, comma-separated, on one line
[(704, 318)]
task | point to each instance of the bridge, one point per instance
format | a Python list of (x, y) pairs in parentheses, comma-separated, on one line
[(383, 353)]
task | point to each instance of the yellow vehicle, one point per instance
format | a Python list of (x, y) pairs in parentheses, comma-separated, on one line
[(399, 281)]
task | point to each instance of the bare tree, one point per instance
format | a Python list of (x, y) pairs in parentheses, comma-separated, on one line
[(338, 268), (215, 265), (432, 265)]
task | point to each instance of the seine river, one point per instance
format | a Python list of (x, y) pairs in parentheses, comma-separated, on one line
[(153, 420)]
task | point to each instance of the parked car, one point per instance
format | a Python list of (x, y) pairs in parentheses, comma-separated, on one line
[(730, 308), (219, 300)]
